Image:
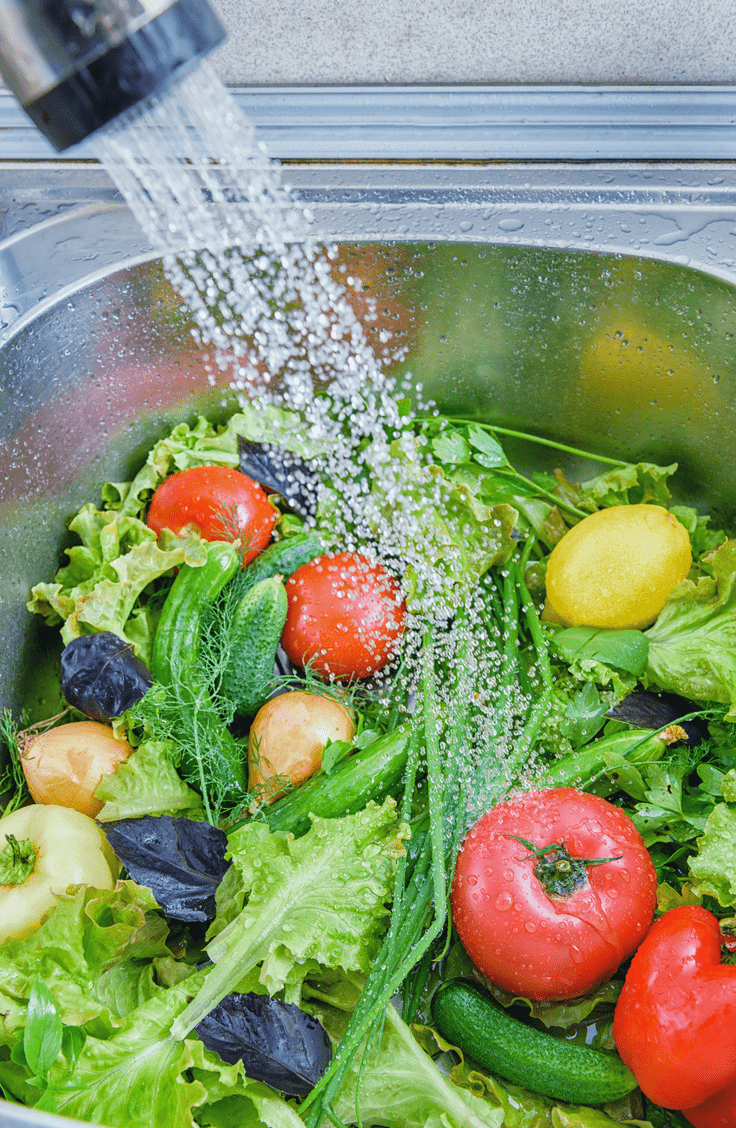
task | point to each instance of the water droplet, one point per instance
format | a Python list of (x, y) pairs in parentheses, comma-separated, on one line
[(504, 901), (511, 224)]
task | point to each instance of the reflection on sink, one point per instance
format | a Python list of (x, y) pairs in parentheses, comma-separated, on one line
[(624, 355)]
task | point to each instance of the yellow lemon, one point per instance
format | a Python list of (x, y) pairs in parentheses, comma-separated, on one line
[(616, 568)]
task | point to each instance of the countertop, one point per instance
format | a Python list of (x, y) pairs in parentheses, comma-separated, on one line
[(334, 42)]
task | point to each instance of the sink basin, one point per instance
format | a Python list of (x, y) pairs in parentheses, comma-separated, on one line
[(593, 304)]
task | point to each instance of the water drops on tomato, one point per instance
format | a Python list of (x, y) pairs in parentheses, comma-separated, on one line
[(542, 897), (346, 616), (221, 502)]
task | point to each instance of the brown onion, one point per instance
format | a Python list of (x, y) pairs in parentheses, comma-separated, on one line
[(288, 736), (64, 765)]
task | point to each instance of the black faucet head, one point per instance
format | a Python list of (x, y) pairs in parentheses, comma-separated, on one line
[(75, 65)]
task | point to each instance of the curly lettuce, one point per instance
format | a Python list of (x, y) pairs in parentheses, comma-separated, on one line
[(109, 580), (692, 645), (322, 897), (146, 784), (713, 869)]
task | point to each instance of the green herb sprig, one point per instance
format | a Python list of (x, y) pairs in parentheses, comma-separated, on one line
[(45, 1037), (13, 788)]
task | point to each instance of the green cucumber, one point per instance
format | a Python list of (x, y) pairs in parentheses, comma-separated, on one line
[(176, 645), (175, 656), (371, 773), (280, 559), (468, 1017), (253, 638)]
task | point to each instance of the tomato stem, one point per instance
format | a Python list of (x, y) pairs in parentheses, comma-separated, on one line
[(558, 872)]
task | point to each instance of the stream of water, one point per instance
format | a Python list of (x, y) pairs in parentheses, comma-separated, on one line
[(242, 253), (239, 249)]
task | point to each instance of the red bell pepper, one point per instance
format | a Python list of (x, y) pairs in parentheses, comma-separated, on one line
[(718, 1112), (675, 1020)]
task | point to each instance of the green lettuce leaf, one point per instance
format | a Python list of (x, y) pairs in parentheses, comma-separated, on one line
[(137, 1077), (633, 484), (670, 898), (102, 586), (713, 869), (126, 986), (703, 540), (89, 932), (570, 1116), (692, 645), (146, 784), (320, 897), (403, 1088), (570, 1013), (614, 681), (234, 1100), (728, 786)]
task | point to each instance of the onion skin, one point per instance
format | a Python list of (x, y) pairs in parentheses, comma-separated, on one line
[(64, 765), (288, 736)]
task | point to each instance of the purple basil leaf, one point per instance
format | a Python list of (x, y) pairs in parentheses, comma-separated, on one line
[(101, 676), (277, 1042), (180, 860), (283, 472), (653, 710)]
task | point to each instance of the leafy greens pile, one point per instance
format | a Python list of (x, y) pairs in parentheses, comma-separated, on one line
[(100, 1005)]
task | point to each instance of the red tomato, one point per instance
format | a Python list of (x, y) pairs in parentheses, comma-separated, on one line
[(223, 503), (345, 616), (558, 934)]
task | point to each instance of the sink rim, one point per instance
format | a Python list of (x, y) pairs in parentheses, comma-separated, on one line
[(678, 212)]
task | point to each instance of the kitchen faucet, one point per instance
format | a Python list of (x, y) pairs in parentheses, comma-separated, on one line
[(75, 65)]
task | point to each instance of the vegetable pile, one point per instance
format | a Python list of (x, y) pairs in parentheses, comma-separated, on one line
[(417, 810)]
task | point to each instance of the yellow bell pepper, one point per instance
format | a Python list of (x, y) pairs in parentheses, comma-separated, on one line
[(43, 850)]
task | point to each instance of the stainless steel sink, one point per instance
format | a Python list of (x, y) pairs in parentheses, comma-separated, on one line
[(591, 302)]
